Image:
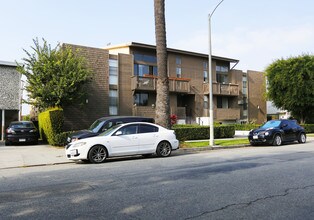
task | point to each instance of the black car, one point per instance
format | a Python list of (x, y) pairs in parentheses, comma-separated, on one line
[(103, 124), (21, 132), (276, 132)]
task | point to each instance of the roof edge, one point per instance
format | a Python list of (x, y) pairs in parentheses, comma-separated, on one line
[(149, 46), (7, 63)]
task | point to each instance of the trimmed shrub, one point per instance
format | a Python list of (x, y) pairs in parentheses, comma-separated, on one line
[(245, 127), (309, 128), (197, 132), (61, 138), (50, 124)]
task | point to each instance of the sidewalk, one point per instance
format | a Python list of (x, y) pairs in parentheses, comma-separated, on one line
[(30, 155)]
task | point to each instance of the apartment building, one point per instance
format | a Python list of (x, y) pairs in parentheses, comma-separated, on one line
[(125, 84)]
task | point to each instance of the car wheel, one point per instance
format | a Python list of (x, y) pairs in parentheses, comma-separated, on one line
[(97, 154), (277, 140), (7, 143), (302, 138), (163, 149), (253, 143)]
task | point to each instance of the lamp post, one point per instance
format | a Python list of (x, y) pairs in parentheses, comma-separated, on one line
[(210, 79)]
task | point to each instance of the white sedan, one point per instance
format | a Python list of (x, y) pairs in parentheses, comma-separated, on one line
[(122, 140)]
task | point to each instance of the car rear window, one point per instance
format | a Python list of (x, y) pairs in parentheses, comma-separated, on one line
[(147, 129), (22, 125)]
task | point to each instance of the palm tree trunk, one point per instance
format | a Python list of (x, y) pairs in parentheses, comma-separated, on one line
[(162, 99)]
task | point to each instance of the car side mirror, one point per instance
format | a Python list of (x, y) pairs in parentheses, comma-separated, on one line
[(118, 133)]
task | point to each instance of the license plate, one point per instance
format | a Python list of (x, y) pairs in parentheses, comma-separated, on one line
[(73, 152), (22, 140), (255, 137)]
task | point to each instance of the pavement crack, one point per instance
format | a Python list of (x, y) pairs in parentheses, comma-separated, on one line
[(247, 204)]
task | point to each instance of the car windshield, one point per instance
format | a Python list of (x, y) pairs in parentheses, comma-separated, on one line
[(22, 125), (271, 124), (110, 130), (96, 126)]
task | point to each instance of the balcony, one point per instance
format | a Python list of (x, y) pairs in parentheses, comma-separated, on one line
[(149, 83), (226, 114), (228, 89)]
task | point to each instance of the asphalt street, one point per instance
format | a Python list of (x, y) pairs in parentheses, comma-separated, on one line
[(243, 183)]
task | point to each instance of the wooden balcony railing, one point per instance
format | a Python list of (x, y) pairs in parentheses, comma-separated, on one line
[(149, 83), (226, 114), (229, 89)]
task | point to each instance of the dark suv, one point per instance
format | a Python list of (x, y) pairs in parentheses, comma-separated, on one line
[(276, 132), (102, 124)]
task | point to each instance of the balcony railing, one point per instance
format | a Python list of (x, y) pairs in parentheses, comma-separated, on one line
[(229, 89), (226, 114), (149, 83)]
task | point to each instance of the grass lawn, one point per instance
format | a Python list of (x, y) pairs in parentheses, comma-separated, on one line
[(225, 143), (228, 142)]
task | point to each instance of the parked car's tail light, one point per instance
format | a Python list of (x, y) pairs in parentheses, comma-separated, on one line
[(10, 131)]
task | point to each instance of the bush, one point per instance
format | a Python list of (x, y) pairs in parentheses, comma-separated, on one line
[(246, 127), (61, 138), (309, 128), (197, 132), (50, 124)]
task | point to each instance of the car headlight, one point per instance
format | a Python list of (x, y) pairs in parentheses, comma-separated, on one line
[(79, 144), (74, 139), (266, 133)]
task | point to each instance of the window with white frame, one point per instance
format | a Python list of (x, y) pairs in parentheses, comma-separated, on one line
[(113, 102), (113, 72)]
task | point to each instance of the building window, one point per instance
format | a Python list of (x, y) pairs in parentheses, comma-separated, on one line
[(145, 58), (205, 71), (222, 102), (222, 74), (206, 102), (113, 72), (141, 99), (178, 67), (178, 72), (245, 103), (113, 102), (244, 83), (141, 70)]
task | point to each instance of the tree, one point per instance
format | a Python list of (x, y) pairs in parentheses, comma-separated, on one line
[(55, 77), (291, 84), (162, 99)]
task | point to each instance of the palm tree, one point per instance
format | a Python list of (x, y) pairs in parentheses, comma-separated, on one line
[(162, 99)]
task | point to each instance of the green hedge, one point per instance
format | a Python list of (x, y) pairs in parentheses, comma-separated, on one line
[(50, 124), (61, 138), (309, 128), (245, 127), (197, 132)]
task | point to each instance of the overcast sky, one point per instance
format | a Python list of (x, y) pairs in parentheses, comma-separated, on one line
[(256, 32)]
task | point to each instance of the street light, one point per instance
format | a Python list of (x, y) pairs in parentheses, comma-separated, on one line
[(210, 83)]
